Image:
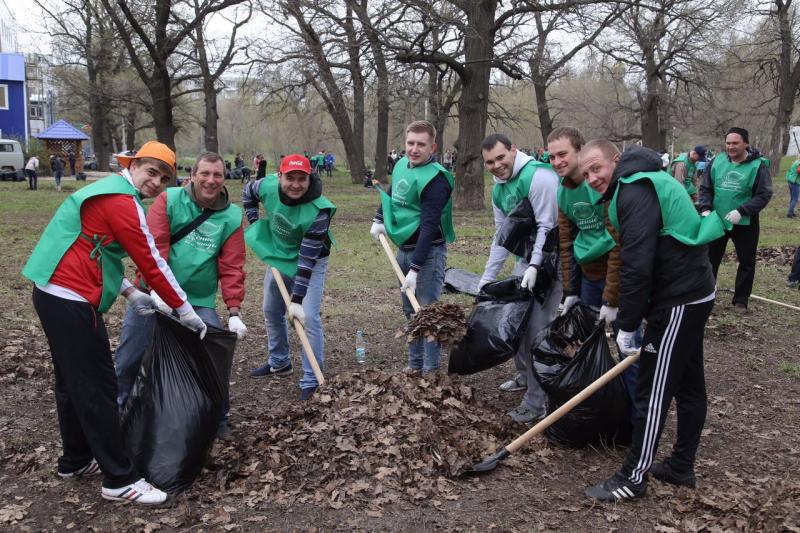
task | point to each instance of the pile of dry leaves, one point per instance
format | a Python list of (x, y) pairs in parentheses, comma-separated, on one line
[(774, 255), (438, 321), (367, 436)]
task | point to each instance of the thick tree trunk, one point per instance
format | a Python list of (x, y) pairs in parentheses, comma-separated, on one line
[(130, 128), (210, 135), (780, 139), (160, 88), (654, 134), (543, 108), (473, 106), (438, 117)]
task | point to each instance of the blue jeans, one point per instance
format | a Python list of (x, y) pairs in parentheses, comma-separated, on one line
[(277, 326), (135, 338), (794, 194), (592, 291), (57, 177), (424, 355)]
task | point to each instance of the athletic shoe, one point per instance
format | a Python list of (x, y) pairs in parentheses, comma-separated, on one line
[(224, 431), (89, 470), (793, 283), (139, 492), (523, 415), (664, 472), (307, 393), (412, 372), (617, 488), (740, 309), (514, 385), (266, 370)]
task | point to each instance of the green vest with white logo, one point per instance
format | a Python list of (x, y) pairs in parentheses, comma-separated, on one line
[(193, 259), (679, 218), (581, 208), (402, 211), (791, 174), (65, 228), (276, 239), (690, 167), (733, 184), (506, 195)]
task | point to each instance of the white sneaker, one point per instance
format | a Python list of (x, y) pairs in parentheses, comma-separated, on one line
[(89, 470), (514, 385), (139, 492)]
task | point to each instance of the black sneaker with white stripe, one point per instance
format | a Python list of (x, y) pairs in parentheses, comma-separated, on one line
[(617, 488), (89, 470)]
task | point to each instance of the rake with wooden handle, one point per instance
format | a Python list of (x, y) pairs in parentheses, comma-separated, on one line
[(298, 327), (388, 249)]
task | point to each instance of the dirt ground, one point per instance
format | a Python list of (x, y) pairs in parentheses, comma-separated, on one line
[(747, 463)]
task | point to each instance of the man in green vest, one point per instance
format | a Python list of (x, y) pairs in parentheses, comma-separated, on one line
[(416, 214), (738, 184), (684, 169), (518, 176), (294, 238), (77, 271), (665, 278), (793, 179), (199, 231)]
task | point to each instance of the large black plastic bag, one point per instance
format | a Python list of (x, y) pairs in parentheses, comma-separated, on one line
[(496, 326), (576, 325), (463, 281), (602, 418), (171, 417)]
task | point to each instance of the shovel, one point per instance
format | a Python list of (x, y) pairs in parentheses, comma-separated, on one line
[(298, 327), (397, 270), (491, 462)]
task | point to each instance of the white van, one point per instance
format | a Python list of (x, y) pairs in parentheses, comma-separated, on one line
[(12, 160)]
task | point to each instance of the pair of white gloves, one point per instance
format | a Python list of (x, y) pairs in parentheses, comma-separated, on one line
[(607, 313), (528, 279), (145, 304), (734, 217), (410, 282)]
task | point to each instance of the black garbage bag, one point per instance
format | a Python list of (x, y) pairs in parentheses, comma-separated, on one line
[(496, 326), (601, 419), (171, 417), (463, 281), (518, 235), (575, 326)]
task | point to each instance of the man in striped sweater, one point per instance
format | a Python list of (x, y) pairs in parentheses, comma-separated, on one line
[(294, 238)]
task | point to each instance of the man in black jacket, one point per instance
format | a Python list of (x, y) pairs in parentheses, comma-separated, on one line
[(669, 283), (737, 184)]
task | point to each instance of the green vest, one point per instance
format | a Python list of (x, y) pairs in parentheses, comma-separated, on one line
[(690, 168), (508, 194), (791, 174), (65, 228), (193, 259), (733, 184), (679, 218), (580, 205), (276, 239), (403, 209)]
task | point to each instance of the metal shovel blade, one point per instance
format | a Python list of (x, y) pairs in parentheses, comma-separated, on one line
[(490, 463)]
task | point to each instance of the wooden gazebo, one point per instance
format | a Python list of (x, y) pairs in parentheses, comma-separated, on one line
[(60, 138)]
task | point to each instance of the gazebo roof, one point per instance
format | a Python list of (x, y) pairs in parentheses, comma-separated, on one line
[(62, 131)]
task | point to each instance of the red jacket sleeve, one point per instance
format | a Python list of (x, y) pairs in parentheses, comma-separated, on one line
[(158, 222), (230, 265)]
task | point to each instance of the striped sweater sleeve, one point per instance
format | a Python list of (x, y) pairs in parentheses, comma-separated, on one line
[(310, 249)]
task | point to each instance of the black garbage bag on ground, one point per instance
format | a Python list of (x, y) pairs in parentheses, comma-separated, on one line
[(463, 281), (602, 418), (563, 332), (518, 235), (495, 328), (171, 417)]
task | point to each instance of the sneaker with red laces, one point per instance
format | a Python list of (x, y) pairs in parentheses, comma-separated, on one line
[(138, 492), (90, 469)]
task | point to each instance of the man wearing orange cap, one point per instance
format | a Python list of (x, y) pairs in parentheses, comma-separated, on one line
[(77, 271)]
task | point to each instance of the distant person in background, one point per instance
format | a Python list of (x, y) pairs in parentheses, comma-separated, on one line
[(664, 160), (57, 164), (30, 171), (238, 161), (794, 187), (261, 171), (256, 160), (329, 161), (71, 156), (391, 160), (794, 276), (684, 169), (447, 160)]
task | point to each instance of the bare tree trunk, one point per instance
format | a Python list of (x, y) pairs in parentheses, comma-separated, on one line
[(160, 87), (438, 117), (654, 134), (130, 128), (210, 135), (542, 107)]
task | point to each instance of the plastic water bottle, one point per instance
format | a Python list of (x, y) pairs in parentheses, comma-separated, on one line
[(361, 347)]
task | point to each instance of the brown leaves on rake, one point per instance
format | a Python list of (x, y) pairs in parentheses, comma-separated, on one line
[(438, 321), (370, 437)]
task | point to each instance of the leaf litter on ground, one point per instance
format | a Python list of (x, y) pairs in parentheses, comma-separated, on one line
[(442, 322)]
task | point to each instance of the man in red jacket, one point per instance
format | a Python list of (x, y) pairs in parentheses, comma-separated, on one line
[(78, 272)]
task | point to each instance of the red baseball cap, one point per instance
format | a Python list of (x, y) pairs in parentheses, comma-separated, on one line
[(295, 162)]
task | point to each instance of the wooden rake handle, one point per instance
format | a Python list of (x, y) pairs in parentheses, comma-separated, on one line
[(390, 254), (596, 385), (298, 327)]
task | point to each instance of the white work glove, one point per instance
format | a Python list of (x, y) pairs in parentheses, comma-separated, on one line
[(705, 213), (160, 304), (193, 321), (569, 303), (235, 325), (608, 313), (376, 229), (295, 310), (529, 279), (141, 303), (625, 343), (410, 282), (734, 217), (482, 282)]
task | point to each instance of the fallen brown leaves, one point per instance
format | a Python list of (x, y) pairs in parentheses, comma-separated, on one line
[(371, 437), (774, 255), (438, 321)]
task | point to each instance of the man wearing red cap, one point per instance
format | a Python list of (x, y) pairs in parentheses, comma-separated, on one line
[(78, 272), (295, 239)]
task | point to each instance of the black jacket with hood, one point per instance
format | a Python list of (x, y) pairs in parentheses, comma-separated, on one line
[(657, 272)]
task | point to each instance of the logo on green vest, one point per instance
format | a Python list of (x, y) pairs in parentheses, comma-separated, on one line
[(586, 217), (203, 238), (282, 226), (731, 181), (510, 203), (400, 190)]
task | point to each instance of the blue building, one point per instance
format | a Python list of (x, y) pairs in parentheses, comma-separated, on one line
[(13, 100)]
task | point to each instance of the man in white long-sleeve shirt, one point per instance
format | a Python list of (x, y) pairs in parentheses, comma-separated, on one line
[(518, 176)]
